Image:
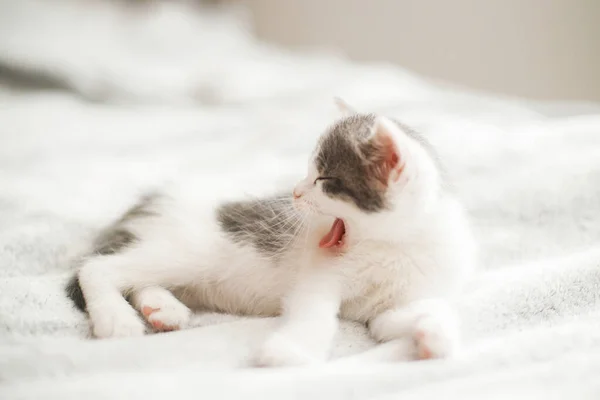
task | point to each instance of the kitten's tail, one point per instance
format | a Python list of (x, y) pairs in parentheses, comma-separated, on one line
[(75, 293)]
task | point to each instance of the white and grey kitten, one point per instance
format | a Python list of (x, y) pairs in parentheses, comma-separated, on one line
[(369, 234)]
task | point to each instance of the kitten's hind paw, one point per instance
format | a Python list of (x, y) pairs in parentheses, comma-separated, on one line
[(162, 310), (167, 318)]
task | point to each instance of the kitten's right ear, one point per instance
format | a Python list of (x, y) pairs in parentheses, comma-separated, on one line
[(344, 108), (387, 155)]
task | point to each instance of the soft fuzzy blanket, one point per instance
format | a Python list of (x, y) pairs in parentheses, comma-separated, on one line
[(99, 102)]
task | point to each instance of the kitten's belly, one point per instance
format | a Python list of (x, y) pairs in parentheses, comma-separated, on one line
[(243, 283), (232, 299)]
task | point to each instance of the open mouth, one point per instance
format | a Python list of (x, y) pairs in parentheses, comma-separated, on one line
[(335, 236)]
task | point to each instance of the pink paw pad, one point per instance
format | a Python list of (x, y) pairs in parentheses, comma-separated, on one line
[(147, 311), (423, 352), (156, 324)]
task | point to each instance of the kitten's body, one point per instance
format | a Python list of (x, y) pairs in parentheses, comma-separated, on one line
[(405, 250)]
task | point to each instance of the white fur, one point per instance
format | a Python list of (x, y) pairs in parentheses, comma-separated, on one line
[(397, 273)]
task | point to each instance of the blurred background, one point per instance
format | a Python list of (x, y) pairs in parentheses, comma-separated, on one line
[(540, 49), (532, 49)]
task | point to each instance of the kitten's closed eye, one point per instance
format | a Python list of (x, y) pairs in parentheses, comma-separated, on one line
[(325, 178)]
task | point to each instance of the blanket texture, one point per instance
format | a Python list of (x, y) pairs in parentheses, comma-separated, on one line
[(100, 102)]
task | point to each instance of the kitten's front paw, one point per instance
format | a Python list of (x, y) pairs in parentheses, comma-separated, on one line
[(280, 351), (435, 338), (115, 322)]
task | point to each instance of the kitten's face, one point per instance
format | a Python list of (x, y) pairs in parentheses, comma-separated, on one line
[(356, 168)]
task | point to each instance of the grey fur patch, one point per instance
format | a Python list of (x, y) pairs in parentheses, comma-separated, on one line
[(114, 239), (117, 236), (339, 159), (268, 224), (343, 159)]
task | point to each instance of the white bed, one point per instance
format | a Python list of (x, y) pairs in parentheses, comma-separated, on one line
[(134, 100)]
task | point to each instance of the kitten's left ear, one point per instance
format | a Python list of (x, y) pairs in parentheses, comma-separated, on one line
[(386, 150), (343, 107)]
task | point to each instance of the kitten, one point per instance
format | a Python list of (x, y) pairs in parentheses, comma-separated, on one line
[(371, 233)]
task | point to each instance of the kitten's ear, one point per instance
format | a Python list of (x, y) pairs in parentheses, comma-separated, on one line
[(343, 107), (386, 156)]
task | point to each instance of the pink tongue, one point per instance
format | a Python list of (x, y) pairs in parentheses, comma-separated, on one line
[(334, 236)]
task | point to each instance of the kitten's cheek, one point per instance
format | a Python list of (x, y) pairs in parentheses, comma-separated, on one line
[(303, 204)]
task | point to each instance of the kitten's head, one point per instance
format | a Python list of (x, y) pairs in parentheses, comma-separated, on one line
[(366, 166)]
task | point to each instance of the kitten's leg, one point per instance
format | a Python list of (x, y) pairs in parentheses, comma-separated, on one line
[(110, 314), (307, 325), (432, 325), (103, 281), (161, 309)]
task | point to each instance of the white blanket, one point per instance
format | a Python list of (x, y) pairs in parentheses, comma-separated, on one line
[(143, 98)]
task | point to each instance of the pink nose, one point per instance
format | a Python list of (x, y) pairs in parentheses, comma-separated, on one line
[(296, 195)]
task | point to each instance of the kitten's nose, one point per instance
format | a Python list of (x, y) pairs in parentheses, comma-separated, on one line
[(296, 194)]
